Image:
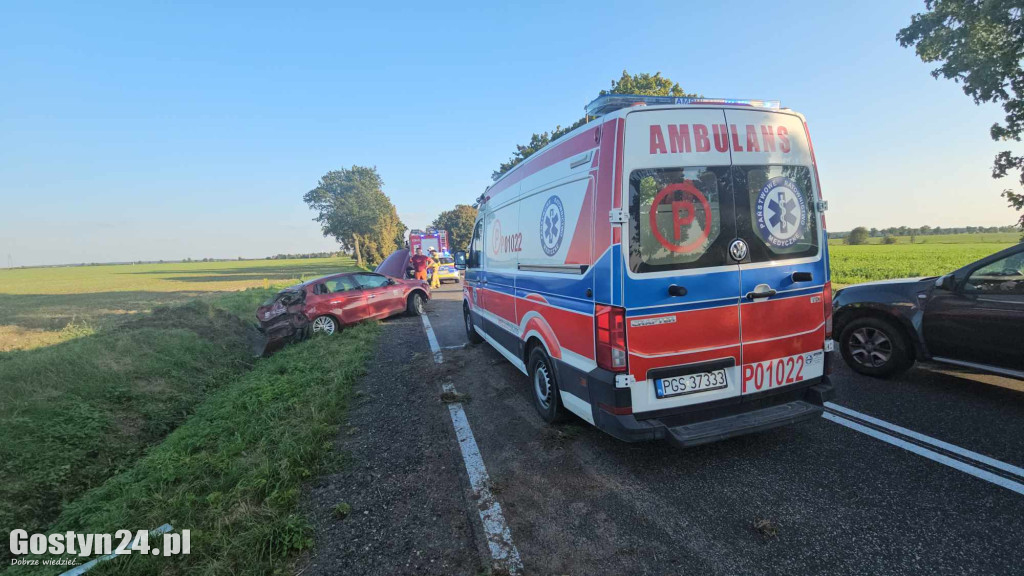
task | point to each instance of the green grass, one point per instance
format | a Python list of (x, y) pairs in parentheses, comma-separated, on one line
[(75, 413), (233, 472), (37, 304), (854, 264), (994, 238)]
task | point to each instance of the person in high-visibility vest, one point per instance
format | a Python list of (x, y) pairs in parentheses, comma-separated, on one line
[(435, 263)]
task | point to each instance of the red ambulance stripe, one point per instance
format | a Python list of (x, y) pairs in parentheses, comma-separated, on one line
[(573, 331), (577, 144), (692, 330), (500, 304), (778, 317), (619, 151), (606, 170), (639, 366), (784, 346), (579, 249)]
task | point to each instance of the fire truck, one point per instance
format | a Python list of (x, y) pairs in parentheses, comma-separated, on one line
[(436, 239)]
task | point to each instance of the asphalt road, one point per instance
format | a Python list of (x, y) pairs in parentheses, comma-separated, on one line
[(828, 499)]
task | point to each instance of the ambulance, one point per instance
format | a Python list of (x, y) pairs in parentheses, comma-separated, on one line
[(662, 271)]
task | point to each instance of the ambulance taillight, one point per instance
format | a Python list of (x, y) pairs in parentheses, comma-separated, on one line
[(611, 337)]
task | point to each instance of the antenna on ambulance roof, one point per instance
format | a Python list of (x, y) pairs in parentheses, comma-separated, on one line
[(607, 103)]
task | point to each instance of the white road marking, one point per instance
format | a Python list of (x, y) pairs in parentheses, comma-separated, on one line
[(929, 440), (934, 456), (499, 537), (432, 339), (79, 570)]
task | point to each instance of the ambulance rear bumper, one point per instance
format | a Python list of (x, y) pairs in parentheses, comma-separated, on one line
[(701, 424)]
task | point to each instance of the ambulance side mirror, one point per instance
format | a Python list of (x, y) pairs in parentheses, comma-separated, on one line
[(460, 260)]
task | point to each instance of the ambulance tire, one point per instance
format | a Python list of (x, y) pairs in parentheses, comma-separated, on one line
[(467, 321), (544, 386), (875, 347)]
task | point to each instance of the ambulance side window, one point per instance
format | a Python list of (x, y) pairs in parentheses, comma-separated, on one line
[(475, 246)]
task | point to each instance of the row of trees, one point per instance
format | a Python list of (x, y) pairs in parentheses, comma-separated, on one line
[(860, 234)]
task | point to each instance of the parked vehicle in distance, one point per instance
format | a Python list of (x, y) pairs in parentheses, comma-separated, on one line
[(661, 272), (436, 239), (973, 317), (332, 302), (446, 272)]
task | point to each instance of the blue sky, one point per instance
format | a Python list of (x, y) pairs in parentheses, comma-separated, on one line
[(134, 131)]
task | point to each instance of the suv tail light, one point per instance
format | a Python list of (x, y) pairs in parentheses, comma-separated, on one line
[(611, 337)]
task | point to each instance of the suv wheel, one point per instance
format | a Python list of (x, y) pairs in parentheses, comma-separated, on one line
[(875, 347)]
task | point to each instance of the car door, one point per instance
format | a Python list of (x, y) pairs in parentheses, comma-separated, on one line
[(382, 297), (475, 273), (345, 299), (980, 320)]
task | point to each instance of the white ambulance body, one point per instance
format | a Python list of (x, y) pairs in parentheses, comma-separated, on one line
[(662, 271)]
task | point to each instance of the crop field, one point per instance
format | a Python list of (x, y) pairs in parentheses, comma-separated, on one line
[(854, 264), (43, 306)]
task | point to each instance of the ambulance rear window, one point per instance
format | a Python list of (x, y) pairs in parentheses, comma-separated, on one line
[(775, 211), (677, 217)]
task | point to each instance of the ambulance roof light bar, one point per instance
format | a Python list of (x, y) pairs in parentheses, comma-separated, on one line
[(611, 102)]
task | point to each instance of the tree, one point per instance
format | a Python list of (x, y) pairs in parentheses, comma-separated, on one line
[(980, 44), (351, 206), (858, 235), (459, 224), (892, 239), (643, 84)]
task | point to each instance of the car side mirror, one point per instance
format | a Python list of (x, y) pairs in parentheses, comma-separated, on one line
[(460, 260), (947, 282)]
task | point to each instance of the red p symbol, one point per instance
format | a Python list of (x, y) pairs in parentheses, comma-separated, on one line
[(686, 208)]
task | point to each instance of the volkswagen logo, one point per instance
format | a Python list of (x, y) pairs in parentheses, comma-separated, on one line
[(738, 250)]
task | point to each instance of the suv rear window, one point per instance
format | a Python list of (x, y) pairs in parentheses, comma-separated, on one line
[(679, 218)]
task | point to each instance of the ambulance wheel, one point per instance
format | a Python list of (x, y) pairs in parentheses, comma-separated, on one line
[(875, 347), (544, 384), (467, 319)]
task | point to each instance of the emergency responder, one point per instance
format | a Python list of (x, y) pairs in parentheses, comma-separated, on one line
[(420, 263), (435, 264)]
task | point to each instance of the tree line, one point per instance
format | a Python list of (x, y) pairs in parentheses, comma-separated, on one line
[(861, 234)]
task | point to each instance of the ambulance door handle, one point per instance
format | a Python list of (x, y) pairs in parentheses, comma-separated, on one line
[(761, 291), (675, 290)]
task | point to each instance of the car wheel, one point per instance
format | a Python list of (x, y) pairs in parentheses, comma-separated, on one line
[(467, 320), (544, 385), (325, 325), (415, 305), (875, 347)]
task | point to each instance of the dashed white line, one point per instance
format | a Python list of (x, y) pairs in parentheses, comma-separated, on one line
[(499, 537)]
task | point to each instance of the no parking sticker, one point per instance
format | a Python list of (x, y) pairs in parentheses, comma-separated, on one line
[(781, 213), (684, 200)]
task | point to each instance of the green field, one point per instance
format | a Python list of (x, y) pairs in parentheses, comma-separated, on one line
[(43, 306), (938, 256), (99, 364)]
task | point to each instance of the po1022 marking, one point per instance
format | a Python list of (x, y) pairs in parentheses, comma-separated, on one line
[(780, 371)]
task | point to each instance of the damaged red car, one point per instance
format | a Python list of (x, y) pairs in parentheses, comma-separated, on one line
[(327, 304)]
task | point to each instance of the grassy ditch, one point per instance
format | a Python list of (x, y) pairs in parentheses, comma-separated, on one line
[(78, 412), (232, 473)]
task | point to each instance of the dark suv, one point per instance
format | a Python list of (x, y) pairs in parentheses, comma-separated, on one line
[(973, 317)]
